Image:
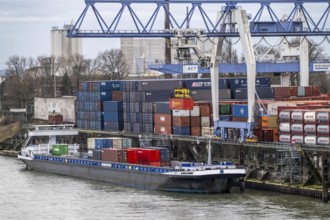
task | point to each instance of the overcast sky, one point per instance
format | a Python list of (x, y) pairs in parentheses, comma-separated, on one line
[(25, 25)]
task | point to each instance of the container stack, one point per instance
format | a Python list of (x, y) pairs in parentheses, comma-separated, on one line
[(181, 122), (195, 121), (113, 115), (323, 126), (90, 102), (162, 118)]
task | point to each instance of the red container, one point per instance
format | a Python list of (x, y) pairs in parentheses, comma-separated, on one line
[(285, 91), (195, 121), (258, 134), (55, 119), (132, 155), (162, 129), (181, 103), (205, 110), (195, 131), (181, 121), (316, 90), (164, 119), (117, 96), (308, 90), (148, 155), (267, 135), (114, 155)]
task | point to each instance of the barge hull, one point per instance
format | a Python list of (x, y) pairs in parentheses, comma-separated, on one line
[(132, 178)]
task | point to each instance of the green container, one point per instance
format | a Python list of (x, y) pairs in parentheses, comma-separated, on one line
[(60, 149), (225, 109)]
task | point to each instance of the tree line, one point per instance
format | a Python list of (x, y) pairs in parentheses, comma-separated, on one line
[(48, 77)]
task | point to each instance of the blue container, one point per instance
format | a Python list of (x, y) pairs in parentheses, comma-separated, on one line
[(112, 106), (103, 143), (111, 86), (239, 110), (105, 96), (301, 91), (234, 83), (225, 117), (113, 116), (181, 130), (113, 126), (163, 108)]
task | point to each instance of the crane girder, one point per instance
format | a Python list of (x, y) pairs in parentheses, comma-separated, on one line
[(110, 23)]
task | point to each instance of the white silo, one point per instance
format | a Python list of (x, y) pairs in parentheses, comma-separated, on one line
[(62, 46)]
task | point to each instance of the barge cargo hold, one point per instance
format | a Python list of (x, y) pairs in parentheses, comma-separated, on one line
[(181, 177)]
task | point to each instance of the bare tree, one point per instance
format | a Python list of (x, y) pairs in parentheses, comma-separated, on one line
[(15, 86), (112, 64)]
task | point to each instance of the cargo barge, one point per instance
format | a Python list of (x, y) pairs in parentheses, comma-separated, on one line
[(64, 159)]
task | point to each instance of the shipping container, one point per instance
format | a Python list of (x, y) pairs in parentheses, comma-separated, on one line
[(285, 91), (225, 109), (284, 115), (323, 116), (297, 128), (181, 130), (195, 112), (181, 103), (284, 127), (180, 121), (181, 113), (111, 86), (273, 107), (272, 121), (114, 155), (301, 91), (298, 139), (264, 121), (158, 84), (113, 126), (113, 116), (162, 129), (267, 135), (112, 106), (323, 140), (224, 94), (323, 129), (310, 139), (117, 96), (205, 121), (225, 118), (284, 138), (310, 117), (163, 119), (239, 111), (149, 155), (97, 154), (162, 107), (297, 116), (242, 82), (263, 93), (195, 121), (207, 131), (195, 131), (310, 128), (132, 156), (60, 149), (205, 110)]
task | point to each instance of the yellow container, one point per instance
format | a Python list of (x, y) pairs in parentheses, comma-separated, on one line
[(272, 121)]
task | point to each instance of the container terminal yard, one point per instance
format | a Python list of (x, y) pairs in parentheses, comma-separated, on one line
[(280, 133)]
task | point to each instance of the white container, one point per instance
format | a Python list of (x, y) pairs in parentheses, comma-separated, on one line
[(323, 116), (117, 143), (297, 128), (284, 138), (309, 117), (195, 112), (323, 140), (323, 129), (310, 139), (181, 113), (297, 116), (284, 115), (299, 139), (310, 128), (284, 127), (207, 131), (273, 107), (205, 121), (91, 143)]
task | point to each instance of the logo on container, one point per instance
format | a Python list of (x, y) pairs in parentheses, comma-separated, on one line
[(242, 111)]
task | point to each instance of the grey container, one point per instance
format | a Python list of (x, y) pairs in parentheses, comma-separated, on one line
[(207, 95), (152, 85), (162, 107)]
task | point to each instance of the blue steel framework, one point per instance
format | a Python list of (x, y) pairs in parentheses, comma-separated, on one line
[(272, 27)]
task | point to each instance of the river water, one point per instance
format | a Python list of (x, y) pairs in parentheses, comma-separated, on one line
[(32, 195)]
